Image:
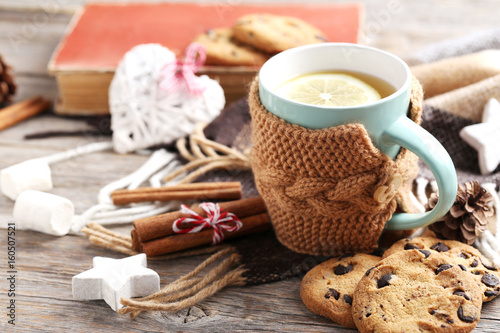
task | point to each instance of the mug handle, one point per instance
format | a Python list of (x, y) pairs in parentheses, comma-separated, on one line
[(406, 133)]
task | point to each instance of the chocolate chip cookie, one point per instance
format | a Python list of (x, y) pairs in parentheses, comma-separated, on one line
[(273, 33), (468, 258), (416, 291), (428, 243), (223, 49), (328, 288)]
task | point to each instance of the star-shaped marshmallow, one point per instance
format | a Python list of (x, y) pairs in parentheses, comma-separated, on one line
[(112, 279), (485, 137)]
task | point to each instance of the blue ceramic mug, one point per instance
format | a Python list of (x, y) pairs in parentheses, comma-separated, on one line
[(385, 120)]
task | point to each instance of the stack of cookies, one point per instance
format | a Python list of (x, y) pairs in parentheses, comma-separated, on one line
[(422, 284), (255, 37)]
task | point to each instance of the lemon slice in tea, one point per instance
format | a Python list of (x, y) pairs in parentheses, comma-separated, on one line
[(328, 89)]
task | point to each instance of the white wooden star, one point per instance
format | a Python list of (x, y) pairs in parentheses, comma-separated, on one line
[(485, 137), (112, 279)]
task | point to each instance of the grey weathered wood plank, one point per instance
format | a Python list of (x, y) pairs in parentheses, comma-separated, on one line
[(48, 263), (28, 40), (45, 291)]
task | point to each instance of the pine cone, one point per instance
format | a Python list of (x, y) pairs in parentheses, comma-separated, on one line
[(467, 218), (7, 84)]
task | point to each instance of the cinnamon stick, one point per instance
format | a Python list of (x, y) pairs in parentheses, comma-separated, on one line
[(135, 241), (160, 226), (182, 187), (194, 191), (15, 113), (181, 242)]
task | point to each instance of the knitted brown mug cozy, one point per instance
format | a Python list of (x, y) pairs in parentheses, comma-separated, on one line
[(328, 191)]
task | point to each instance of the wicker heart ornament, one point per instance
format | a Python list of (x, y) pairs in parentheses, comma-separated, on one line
[(155, 98)]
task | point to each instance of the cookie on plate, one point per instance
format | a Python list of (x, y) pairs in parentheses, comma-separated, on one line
[(416, 291), (467, 257), (223, 49), (328, 288), (274, 33)]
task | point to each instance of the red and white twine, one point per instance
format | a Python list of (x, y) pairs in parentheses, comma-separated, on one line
[(178, 71), (216, 219)]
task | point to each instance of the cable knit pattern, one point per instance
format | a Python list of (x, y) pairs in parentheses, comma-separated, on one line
[(319, 185)]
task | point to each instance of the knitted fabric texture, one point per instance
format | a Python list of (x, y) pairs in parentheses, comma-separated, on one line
[(319, 185), (473, 42)]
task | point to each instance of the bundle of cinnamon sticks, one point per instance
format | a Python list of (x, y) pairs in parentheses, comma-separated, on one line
[(155, 235)]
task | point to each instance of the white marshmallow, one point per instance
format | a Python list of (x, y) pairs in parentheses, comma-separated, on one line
[(28, 175), (43, 212)]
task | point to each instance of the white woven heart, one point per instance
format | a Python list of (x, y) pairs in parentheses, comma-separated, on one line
[(142, 114)]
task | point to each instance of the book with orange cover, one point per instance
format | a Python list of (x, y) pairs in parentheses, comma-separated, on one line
[(100, 34)]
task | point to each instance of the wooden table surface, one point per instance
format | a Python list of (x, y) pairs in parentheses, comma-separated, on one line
[(29, 32)]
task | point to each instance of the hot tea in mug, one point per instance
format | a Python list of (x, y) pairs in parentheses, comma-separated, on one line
[(326, 85), (335, 88)]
